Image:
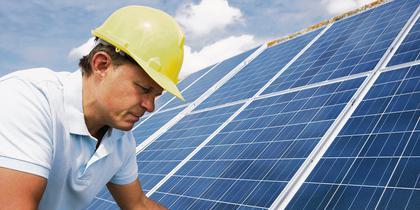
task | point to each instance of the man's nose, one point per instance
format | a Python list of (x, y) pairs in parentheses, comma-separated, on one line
[(148, 103)]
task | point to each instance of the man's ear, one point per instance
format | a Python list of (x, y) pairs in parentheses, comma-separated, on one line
[(100, 64)]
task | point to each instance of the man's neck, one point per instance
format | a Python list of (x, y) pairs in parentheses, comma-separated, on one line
[(93, 123), (100, 134)]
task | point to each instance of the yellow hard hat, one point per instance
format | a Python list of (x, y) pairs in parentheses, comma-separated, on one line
[(152, 38)]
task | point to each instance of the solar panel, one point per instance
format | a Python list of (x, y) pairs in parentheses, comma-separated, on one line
[(350, 46), (253, 76), (374, 161), (251, 159), (152, 124), (409, 49)]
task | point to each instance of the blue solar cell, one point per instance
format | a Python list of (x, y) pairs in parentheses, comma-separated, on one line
[(182, 86), (409, 48), (400, 198), (182, 201), (350, 46), (163, 99), (202, 85), (373, 162), (249, 208), (148, 126), (257, 73), (194, 77), (257, 160), (202, 204)]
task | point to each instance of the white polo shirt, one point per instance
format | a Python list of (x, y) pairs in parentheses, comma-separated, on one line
[(43, 132)]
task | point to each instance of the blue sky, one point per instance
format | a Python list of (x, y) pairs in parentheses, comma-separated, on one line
[(54, 34)]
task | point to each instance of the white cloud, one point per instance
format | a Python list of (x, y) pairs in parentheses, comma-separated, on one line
[(82, 50), (337, 7), (207, 16), (218, 51)]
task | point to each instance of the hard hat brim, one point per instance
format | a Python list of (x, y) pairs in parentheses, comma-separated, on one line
[(161, 79)]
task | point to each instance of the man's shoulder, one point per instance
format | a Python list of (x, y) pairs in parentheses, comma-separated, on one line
[(40, 86), (37, 76)]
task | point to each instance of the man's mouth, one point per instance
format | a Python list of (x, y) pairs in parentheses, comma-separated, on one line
[(135, 116)]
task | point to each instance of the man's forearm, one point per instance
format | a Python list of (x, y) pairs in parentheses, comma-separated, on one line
[(148, 204), (154, 205)]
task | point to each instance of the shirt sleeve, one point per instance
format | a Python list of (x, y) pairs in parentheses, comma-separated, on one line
[(25, 131), (128, 172)]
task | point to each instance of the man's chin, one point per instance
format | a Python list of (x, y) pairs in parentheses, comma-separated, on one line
[(126, 127)]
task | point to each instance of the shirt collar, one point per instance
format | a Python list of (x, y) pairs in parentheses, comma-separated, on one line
[(73, 104), (73, 94)]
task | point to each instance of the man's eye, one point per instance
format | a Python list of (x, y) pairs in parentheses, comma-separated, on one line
[(145, 89)]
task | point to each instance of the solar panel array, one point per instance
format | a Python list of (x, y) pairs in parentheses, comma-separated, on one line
[(374, 161), (254, 132)]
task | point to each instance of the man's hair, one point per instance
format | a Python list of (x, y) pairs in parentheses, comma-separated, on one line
[(117, 58)]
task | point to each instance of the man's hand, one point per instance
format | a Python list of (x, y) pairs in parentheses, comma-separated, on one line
[(20, 190), (131, 197)]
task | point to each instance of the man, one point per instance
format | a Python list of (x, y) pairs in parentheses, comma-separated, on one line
[(64, 136)]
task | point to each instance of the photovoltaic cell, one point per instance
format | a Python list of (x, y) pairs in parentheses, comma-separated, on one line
[(257, 73), (166, 152), (374, 162), (166, 96), (350, 46), (409, 49), (211, 78), (152, 124), (163, 99), (250, 161)]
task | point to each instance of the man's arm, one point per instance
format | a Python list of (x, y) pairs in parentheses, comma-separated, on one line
[(131, 197), (20, 190)]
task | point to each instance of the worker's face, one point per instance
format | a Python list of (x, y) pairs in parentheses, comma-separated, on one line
[(125, 93)]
